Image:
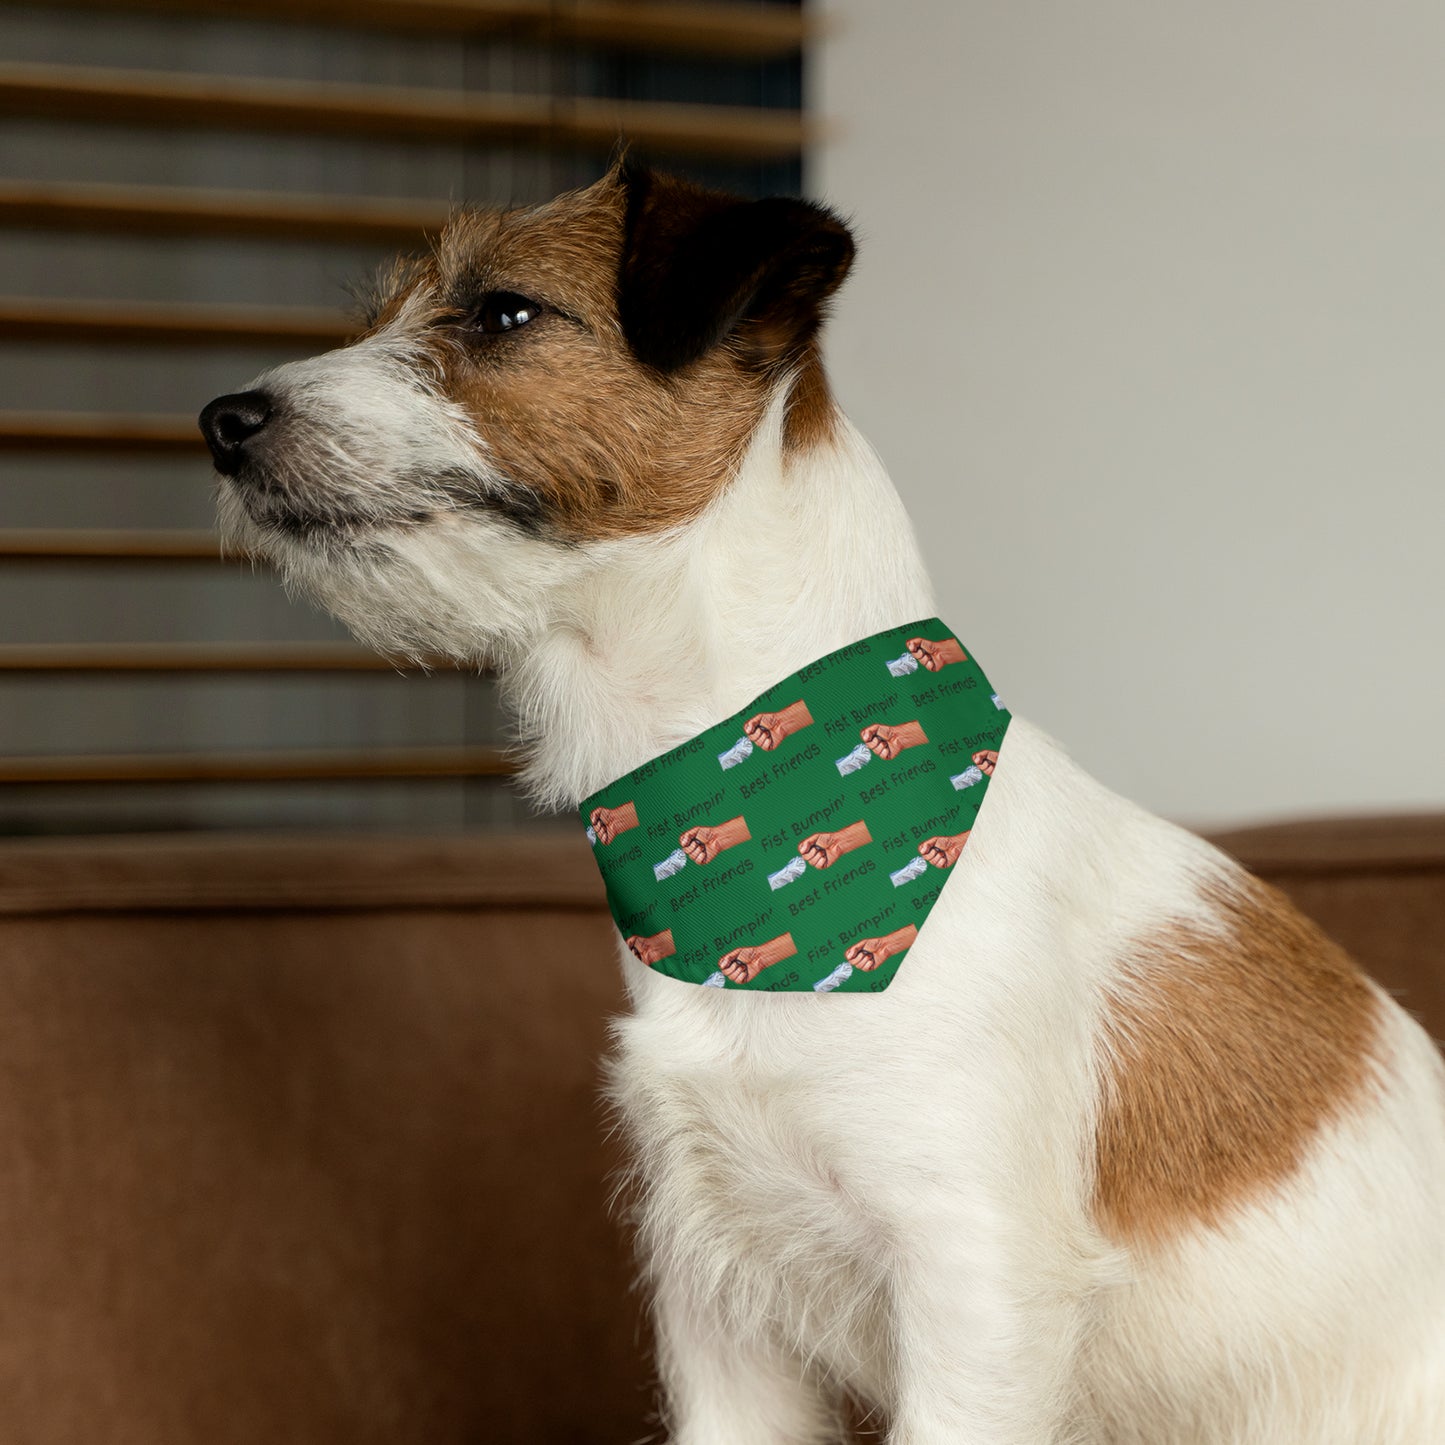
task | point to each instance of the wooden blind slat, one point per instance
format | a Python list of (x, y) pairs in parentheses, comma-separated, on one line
[(259, 767), (175, 210), (217, 102), (201, 657), (78, 431), (745, 32), (705, 29), (76, 544), (171, 323)]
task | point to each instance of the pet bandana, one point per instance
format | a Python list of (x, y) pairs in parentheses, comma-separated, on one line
[(799, 846)]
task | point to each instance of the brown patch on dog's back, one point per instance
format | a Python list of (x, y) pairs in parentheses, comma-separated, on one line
[(1226, 1054)]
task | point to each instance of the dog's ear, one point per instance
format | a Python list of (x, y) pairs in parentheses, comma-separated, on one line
[(699, 266)]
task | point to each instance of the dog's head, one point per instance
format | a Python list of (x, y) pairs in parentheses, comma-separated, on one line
[(564, 376)]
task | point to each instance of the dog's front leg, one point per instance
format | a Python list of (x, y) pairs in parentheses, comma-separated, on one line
[(985, 1345), (723, 1387)]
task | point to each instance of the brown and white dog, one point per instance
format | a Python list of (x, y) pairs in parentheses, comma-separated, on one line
[(1129, 1153)]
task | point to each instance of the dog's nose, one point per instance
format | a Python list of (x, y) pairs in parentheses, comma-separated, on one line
[(229, 422)]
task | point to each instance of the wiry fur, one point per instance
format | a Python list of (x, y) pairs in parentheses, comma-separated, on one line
[(895, 1195)]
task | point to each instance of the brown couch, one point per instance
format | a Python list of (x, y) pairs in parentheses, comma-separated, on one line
[(302, 1143)]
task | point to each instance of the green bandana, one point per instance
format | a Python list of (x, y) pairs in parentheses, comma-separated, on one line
[(799, 845)]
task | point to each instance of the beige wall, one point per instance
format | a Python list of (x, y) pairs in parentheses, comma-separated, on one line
[(1149, 323)]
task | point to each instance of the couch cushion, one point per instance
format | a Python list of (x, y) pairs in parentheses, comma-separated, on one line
[(303, 1143)]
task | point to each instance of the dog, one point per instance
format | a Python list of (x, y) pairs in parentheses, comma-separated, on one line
[(1129, 1154)]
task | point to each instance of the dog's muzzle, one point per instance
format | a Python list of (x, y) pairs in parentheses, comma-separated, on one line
[(230, 422)]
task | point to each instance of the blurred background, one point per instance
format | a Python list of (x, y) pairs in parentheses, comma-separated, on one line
[(1164, 287), (1149, 324), (187, 191), (302, 1008)]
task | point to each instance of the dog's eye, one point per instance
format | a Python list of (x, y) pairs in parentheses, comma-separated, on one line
[(504, 311)]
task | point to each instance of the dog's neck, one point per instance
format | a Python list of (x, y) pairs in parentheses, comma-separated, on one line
[(657, 638)]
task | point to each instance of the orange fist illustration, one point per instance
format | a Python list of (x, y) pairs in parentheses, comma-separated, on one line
[(888, 741), (652, 948), (934, 655), (744, 964), (607, 823), (870, 953), (823, 850), (703, 843), (767, 729), (986, 761), (943, 851)]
